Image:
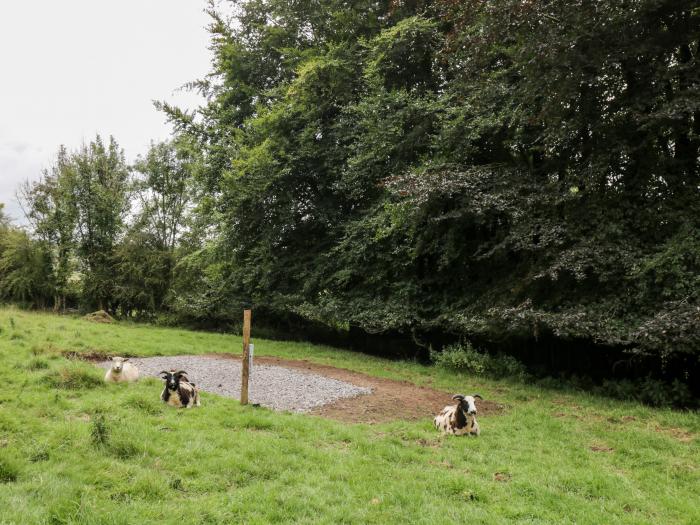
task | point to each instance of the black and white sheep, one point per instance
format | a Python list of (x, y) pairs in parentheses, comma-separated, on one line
[(178, 390), (459, 419), (121, 371)]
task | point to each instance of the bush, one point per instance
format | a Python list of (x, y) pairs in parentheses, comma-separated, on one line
[(463, 357), (650, 391)]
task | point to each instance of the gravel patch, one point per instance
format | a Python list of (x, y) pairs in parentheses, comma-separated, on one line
[(273, 387)]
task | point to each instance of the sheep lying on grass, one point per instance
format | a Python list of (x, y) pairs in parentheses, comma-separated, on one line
[(121, 371), (178, 391), (459, 419)]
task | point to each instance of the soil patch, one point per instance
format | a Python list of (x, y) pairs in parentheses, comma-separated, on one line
[(276, 387), (503, 477), (390, 400), (677, 433), (91, 355), (601, 448)]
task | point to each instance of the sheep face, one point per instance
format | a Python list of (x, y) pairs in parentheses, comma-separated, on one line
[(118, 364), (467, 404), (172, 379)]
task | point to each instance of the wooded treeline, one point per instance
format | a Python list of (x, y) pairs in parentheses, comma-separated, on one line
[(505, 171)]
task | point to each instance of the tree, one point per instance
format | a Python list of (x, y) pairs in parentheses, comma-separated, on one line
[(78, 210), (142, 275), (52, 213), (4, 219), (145, 257), (99, 189), (164, 190), (496, 170), (25, 269)]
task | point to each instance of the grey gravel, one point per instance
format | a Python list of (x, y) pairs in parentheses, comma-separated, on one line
[(274, 387)]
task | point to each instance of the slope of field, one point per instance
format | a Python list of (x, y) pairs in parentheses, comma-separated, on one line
[(73, 450)]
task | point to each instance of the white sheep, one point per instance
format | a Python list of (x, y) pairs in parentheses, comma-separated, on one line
[(121, 371), (459, 419)]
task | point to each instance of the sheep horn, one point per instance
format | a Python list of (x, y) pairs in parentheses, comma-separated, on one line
[(458, 397), (164, 372), (180, 373), (478, 396)]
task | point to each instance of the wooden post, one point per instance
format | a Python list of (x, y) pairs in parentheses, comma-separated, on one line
[(246, 357)]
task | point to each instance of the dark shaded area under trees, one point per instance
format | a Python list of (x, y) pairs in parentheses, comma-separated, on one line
[(523, 175)]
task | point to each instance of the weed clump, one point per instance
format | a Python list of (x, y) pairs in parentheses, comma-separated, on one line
[(47, 349), (74, 377), (147, 406), (124, 448), (9, 471), (41, 453), (37, 364), (99, 431)]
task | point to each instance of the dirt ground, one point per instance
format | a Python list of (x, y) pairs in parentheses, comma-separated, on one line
[(390, 400)]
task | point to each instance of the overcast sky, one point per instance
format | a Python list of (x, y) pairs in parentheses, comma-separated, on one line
[(72, 68)]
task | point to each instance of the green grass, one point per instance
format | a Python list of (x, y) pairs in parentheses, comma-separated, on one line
[(73, 450)]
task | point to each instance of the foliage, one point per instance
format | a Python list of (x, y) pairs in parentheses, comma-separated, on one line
[(496, 170), (80, 212), (651, 392), (499, 171), (142, 274), (463, 357), (24, 269), (53, 215), (4, 220), (100, 193), (164, 191)]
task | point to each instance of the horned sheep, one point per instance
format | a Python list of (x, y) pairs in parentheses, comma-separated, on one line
[(178, 390), (459, 419)]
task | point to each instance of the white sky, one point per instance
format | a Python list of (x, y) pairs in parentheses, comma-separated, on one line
[(72, 68)]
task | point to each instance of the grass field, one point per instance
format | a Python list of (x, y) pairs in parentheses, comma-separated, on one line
[(73, 450)]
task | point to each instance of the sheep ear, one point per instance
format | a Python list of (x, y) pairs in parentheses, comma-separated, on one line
[(111, 358), (125, 359), (477, 396)]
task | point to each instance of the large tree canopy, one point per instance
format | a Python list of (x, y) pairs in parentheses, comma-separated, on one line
[(508, 170), (503, 171)]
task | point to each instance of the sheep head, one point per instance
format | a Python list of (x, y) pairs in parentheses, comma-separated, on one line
[(172, 379), (118, 363), (467, 403)]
